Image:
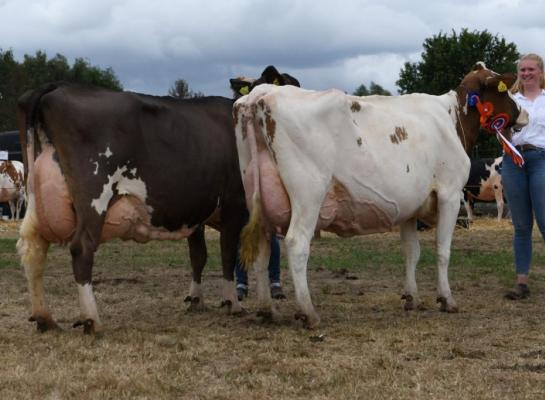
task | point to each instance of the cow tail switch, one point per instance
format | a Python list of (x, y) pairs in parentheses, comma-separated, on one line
[(249, 237)]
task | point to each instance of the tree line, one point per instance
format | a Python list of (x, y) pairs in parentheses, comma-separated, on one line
[(35, 70), (445, 59)]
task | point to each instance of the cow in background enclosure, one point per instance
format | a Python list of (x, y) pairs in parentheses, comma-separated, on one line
[(359, 165), (484, 184), (12, 186), (104, 164)]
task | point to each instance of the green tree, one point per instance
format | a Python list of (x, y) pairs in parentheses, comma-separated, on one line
[(181, 90), (448, 58), (374, 88), (83, 72), (38, 69), (10, 79)]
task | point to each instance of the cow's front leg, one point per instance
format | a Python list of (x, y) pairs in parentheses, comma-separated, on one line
[(411, 251), (448, 212), (83, 248), (198, 256), (32, 249)]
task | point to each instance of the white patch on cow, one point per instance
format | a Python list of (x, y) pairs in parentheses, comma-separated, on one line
[(135, 187), (95, 172), (482, 64), (133, 171), (87, 302), (108, 153)]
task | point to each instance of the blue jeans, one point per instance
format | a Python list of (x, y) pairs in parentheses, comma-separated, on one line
[(274, 266), (525, 192)]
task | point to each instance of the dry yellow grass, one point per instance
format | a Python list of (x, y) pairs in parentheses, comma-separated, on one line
[(370, 348)]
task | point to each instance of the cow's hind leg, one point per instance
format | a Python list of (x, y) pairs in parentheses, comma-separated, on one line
[(411, 251), (448, 208), (233, 218), (198, 256), (265, 304), (82, 248), (11, 204), (297, 243), (32, 249), (20, 202)]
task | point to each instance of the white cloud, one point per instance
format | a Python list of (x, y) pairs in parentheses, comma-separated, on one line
[(324, 44)]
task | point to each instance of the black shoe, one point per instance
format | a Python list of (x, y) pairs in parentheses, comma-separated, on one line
[(277, 293), (242, 292), (520, 291)]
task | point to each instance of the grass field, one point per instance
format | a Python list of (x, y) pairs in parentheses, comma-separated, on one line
[(367, 347)]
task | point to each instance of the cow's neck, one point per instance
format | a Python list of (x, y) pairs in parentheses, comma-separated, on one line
[(467, 125)]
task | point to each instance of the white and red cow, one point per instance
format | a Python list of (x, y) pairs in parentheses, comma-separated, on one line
[(12, 186), (359, 165), (484, 184)]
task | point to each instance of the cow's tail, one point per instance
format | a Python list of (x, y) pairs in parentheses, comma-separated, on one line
[(251, 233), (27, 120)]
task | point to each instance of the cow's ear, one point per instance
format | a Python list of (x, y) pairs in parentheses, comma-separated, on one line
[(290, 80), (240, 86), (501, 83), (272, 76), (509, 79)]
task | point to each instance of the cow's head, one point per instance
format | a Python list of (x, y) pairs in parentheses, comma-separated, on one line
[(243, 85), (486, 102)]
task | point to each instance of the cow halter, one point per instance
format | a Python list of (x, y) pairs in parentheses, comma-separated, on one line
[(495, 124)]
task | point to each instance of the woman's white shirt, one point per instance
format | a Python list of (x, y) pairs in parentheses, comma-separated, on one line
[(534, 132)]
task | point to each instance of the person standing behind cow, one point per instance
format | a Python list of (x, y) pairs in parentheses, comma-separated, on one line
[(274, 274), (525, 186)]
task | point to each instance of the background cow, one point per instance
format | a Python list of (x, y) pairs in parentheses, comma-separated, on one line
[(12, 188), (354, 165), (106, 164), (484, 184), (243, 85)]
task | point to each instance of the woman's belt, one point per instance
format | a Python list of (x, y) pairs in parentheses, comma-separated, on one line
[(527, 147)]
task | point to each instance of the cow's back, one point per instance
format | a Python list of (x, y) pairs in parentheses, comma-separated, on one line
[(382, 149), (177, 157)]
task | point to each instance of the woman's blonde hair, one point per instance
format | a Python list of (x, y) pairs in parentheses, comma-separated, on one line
[(517, 86)]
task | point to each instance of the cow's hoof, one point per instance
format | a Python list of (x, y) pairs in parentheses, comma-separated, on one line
[(411, 303), (88, 326), (195, 304), (44, 324), (229, 305), (446, 305), (309, 322)]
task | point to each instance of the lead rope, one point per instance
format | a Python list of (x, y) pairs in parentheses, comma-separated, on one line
[(463, 131)]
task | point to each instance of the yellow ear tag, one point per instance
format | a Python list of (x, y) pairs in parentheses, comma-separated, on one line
[(502, 87), (276, 82), (244, 90)]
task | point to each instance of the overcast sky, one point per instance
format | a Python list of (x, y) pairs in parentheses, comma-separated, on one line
[(324, 44)]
